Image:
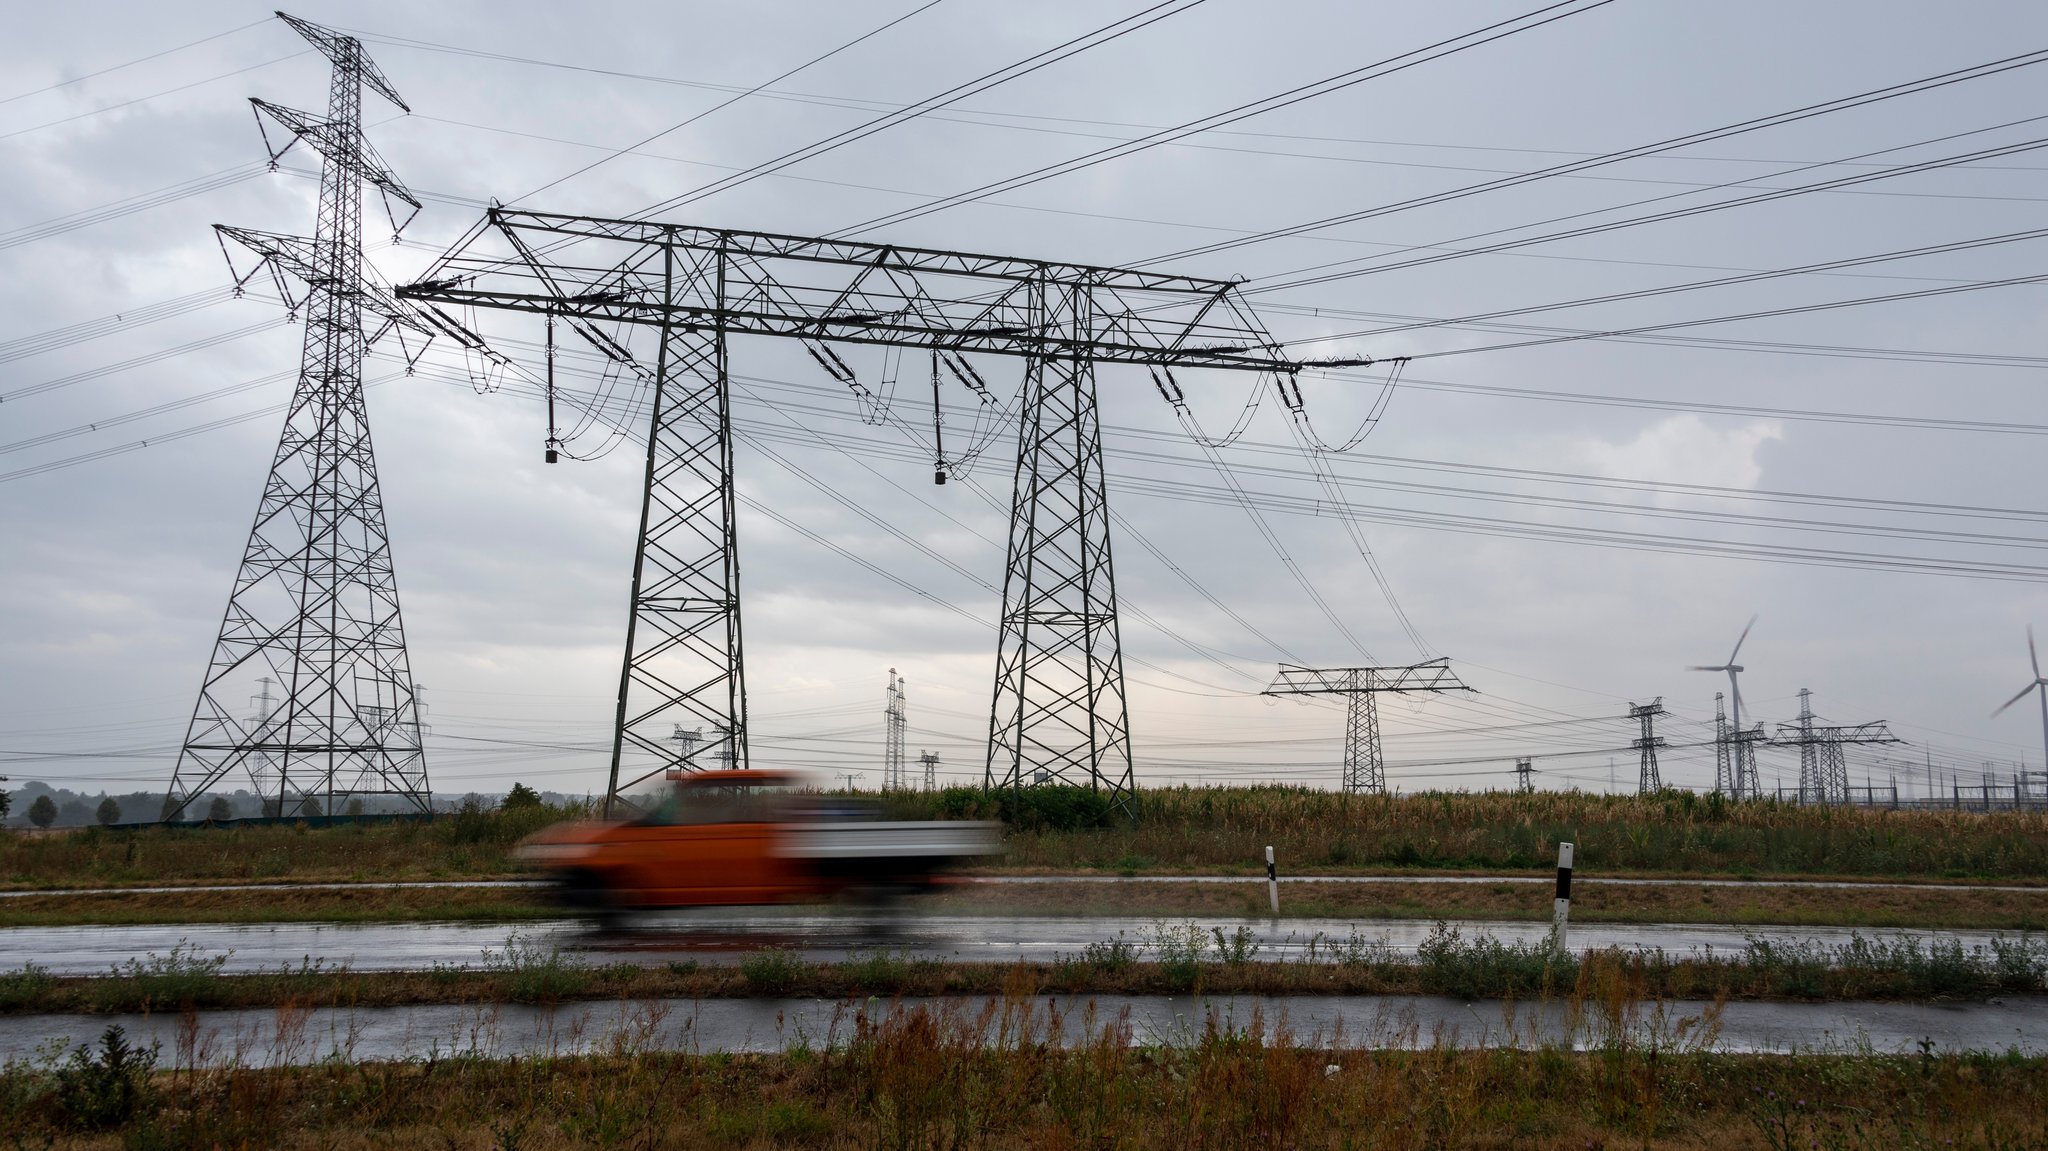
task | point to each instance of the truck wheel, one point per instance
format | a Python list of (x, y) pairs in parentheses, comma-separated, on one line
[(589, 894)]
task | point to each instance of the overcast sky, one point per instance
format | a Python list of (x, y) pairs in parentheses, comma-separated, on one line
[(1562, 596)]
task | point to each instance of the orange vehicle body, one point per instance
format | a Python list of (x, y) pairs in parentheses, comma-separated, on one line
[(718, 839)]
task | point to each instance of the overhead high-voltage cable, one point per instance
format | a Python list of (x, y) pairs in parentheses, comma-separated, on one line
[(1526, 21), (1099, 36), (95, 74), (1438, 254), (1721, 281), (1801, 309), (153, 95), (736, 98), (1911, 87)]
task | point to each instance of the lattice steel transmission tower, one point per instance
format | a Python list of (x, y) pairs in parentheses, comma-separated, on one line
[(1823, 767), (930, 760), (1525, 776), (1059, 714), (315, 602), (894, 720), (1724, 781), (1364, 768), (1648, 780), (1742, 750)]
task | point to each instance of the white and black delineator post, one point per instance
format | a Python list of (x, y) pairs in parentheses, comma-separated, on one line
[(1272, 882), (1562, 907)]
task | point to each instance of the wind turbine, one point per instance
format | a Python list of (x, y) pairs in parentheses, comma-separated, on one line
[(1732, 668), (2040, 684)]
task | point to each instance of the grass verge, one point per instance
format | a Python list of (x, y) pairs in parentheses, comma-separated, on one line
[(954, 1076), (1169, 959)]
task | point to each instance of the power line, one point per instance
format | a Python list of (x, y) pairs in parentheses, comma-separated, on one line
[(1797, 310), (871, 33), (1738, 128), (1727, 281), (1114, 30), (1440, 253), (1387, 67), (131, 63)]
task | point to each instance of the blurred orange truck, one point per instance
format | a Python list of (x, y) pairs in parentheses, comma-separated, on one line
[(748, 837)]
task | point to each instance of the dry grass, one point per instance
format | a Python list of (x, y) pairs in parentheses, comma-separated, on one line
[(1209, 829), (956, 1076), (1199, 830)]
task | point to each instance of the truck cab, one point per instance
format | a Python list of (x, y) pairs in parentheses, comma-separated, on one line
[(726, 838)]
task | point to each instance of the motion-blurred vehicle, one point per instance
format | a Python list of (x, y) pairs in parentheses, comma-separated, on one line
[(724, 838)]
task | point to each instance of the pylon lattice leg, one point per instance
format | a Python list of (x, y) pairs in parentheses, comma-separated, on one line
[(1364, 771), (1059, 714), (683, 660), (315, 602)]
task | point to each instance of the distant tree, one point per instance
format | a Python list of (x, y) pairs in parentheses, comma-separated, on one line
[(108, 812), (355, 809), (220, 810), (520, 796), (5, 804), (43, 812)]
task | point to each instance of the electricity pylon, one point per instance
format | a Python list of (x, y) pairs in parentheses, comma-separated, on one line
[(893, 723), (1823, 768), (1364, 768), (1648, 780), (315, 602), (1525, 776), (1724, 782), (930, 760), (1058, 713)]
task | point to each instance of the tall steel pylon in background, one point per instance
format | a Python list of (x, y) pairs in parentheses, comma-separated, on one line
[(1364, 768), (1649, 780), (315, 602), (895, 717), (1724, 776), (1823, 768)]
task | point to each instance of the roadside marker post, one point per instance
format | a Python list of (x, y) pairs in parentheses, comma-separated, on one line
[(1272, 883), (1562, 907)]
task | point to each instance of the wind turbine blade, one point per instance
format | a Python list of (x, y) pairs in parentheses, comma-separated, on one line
[(1740, 638), (2031, 654), (2015, 699), (1698, 667)]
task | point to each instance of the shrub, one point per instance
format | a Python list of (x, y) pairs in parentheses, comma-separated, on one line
[(534, 974), (1049, 808), (99, 1090), (771, 972), (521, 796), (23, 987)]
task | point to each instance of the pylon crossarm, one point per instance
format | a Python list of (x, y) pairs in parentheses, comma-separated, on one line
[(1431, 675), (847, 291)]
